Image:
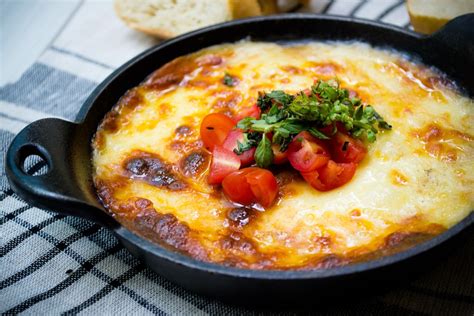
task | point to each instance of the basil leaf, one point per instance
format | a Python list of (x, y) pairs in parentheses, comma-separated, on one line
[(293, 126), (313, 131), (261, 126), (371, 136), (280, 97), (359, 112), (264, 153), (228, 80), (305, 107), (384, 125), (246, 123), (265, 100), (274, 110)]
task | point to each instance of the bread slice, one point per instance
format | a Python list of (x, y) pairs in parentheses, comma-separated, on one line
[(169, 18), (427, 16), (246, 8), (267, 7)]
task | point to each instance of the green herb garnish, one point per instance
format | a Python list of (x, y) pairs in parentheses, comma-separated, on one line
[(286, 115), (264, 153), (229, 80), (250, 140), (265, 100)]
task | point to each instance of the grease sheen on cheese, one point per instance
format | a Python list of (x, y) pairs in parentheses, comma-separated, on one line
[(416, 181)]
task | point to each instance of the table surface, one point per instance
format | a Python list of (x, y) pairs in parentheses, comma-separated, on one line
[(28, 27), (52, 55)]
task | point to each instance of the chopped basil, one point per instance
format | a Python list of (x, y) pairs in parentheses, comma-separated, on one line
[(264, 153), (285, 115), (229, 80)]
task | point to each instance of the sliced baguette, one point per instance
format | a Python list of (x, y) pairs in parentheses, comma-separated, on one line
[(246, 8), (267, 7), (169, 18), (427, 16)]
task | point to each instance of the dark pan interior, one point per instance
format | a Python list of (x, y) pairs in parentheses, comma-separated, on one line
[(452, 51)]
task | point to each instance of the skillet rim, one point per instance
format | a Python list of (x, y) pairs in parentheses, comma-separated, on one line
[(186, 261)]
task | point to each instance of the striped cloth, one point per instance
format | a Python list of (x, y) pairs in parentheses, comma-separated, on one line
[(51, 264)]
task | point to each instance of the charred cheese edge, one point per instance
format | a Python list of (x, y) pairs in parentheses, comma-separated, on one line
[(417, 180)]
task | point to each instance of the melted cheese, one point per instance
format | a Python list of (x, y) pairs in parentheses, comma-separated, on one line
[(417, 178)]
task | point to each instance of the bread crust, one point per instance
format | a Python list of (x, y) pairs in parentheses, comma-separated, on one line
[(247, 8), (239, 9), (157, 32), (268, 7), (244, 8), (428, 20), (426, 24)]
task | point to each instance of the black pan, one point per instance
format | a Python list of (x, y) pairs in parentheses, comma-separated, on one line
[(67, 187)]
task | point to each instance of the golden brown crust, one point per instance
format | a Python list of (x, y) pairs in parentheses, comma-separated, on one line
[(152, 169), (173, 72), (441, 142), (236, 249), (168, 230), (195, 163)]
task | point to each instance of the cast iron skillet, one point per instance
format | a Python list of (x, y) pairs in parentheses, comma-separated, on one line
[(67, 187)]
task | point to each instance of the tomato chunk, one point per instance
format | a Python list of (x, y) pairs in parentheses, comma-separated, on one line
[(263, 185), (223, 163), (251, 185), (214, 129), (307, 153), (279, 157), (330, 176), (249, 111), (237, 189), (230, 143), (347, 149)]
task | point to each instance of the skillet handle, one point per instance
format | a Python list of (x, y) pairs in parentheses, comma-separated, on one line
[(452, 47), (457, 34), (59, 189)]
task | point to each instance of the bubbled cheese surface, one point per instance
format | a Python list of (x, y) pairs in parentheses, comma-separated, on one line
[(417, 179)]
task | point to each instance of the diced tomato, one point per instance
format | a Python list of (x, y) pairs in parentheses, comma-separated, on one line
[(279, 157), (307, 153), (249, 111), (250, 185), (223, 163), (263, 185), (347, 149), (230, 143), (328, 130), (330, 176), (214, 129), (237, 189)]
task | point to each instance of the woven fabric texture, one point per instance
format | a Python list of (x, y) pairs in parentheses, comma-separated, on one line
[(52, 264)]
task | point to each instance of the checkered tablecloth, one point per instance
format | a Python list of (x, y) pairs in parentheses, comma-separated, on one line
[(51, 264)]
